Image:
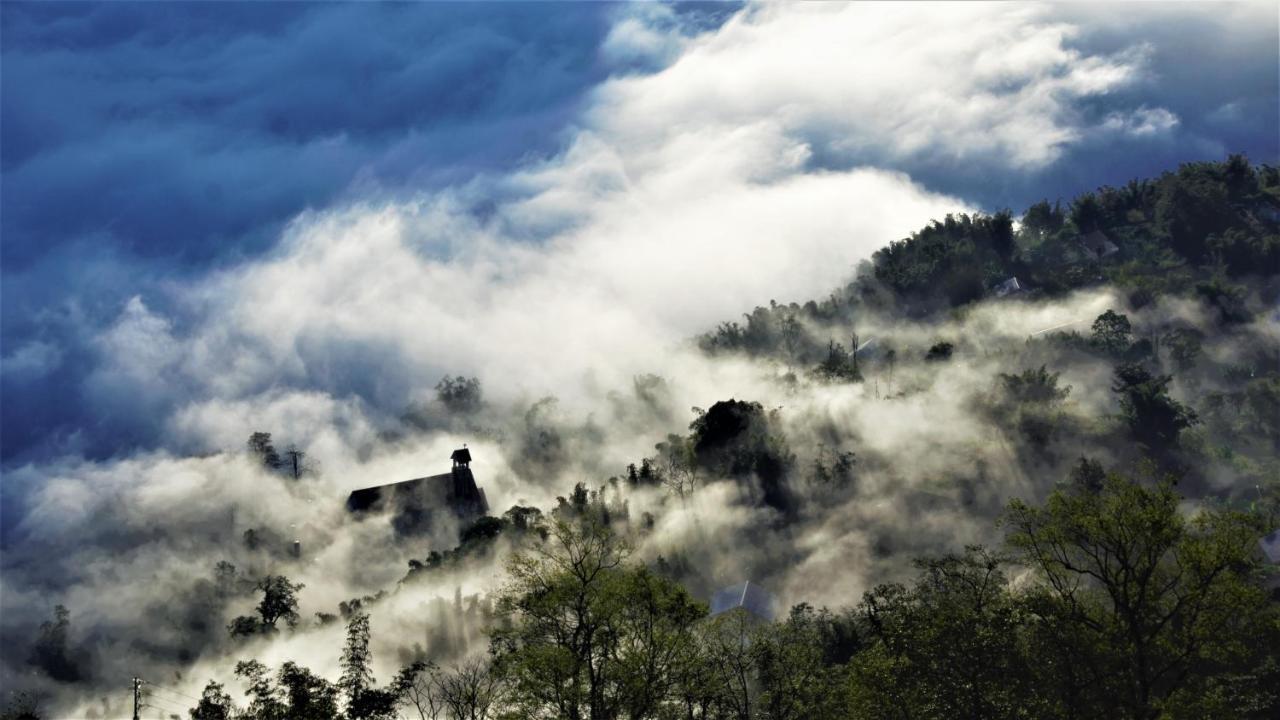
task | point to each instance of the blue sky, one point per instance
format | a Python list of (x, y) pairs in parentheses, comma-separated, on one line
[(157, 157)]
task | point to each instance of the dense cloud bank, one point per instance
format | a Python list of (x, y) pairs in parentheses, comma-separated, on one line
[(719, 163), (120, 184)]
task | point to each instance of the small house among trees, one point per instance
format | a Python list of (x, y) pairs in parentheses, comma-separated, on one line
[(1096, 245), (750, 597)]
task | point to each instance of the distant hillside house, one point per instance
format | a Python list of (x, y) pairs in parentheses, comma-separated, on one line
[(422, 503), (746, 596), (1097, 245), (1008, 287)]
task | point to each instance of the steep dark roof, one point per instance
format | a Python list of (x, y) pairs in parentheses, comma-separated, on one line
[(1097, 244), (415, 504), (461, 455)]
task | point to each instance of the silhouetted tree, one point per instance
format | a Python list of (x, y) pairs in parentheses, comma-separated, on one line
[(1154, 418), (215, 704), (1112, 332), (279, 600), (51, 653), (459, 394), (260, 446)]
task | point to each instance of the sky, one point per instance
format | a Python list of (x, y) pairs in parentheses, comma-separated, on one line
[(216, 214)]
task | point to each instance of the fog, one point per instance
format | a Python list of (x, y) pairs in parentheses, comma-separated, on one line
[(684, 197)]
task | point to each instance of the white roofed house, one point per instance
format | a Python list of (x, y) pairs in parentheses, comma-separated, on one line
[(1011, 286)]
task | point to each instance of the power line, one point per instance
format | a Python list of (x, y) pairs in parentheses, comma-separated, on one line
[(170, 690), (166, 708), (163, 700)]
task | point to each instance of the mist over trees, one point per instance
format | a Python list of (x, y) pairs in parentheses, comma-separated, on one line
[(1082, 464), (1127, 609)]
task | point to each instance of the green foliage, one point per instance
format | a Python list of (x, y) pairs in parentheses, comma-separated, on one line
[(1032, 387), (244, 626), (948, 263), (1030, 401), (308, 696), (840, 365), (947, 647), (586, 634), (1128, 607), (296, 693), (1196, 232), (1154, 418), (279, 600), (1042, 220), (1138, 605), (483, 529), (1112, 333)]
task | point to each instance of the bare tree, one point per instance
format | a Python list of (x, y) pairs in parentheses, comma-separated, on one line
[(679, 465), (472, 690), (419, 686), (293, 459)]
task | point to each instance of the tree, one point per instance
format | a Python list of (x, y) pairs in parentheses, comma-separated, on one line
[(939, 352), (244, 626), (1000, 234), (947, 647), (50, 652), (418, 686), (309, 696), (294, 461), (363, 700), (461, 395), (718, 675), (260, 447), (1154, 418), (736, 438), (264, 697), (1032, 387), (1043, 219), (796, 682), (214, 703), (1031, 402), (678, 463), (356, 674), (792, 334), (472, 690), (1087, 213), (1111, 332), (1184, 346), (584, 634), (279, 600), (1137, 604)]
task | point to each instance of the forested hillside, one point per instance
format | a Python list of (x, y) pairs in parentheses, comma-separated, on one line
[(1018, 467)]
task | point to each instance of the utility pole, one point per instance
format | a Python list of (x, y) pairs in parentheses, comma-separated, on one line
[(137, 686)]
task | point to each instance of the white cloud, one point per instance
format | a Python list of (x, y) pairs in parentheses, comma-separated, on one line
[(687, 197), (1143, 122), (31, 360), (958, 81)]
